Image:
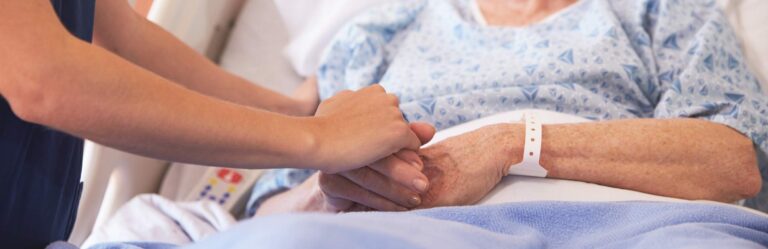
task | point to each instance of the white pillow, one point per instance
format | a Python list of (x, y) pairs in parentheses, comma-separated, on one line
[(312, 24), (254, 48), (748, 19)]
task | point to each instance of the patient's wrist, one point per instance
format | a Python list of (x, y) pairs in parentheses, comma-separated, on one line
[(510, 141)]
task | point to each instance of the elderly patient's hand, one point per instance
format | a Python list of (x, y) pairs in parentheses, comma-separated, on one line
[(463, 169)]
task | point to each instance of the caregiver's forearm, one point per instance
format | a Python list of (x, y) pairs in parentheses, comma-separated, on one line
[(119, 29), (684, 158), (129, 108), (51, 78)]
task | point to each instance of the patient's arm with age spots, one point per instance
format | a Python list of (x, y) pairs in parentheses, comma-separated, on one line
[(682, 158)]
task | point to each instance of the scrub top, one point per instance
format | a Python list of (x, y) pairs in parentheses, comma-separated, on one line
[(40, 167)]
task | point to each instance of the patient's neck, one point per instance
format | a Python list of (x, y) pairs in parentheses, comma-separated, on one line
[(518, 13)]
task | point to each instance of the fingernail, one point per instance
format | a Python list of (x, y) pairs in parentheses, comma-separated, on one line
[(414, 201), (420, 185)]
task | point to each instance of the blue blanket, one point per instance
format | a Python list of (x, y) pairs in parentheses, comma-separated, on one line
[(512, 225)]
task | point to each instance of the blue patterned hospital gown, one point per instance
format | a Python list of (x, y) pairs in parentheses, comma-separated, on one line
[(599, 59)]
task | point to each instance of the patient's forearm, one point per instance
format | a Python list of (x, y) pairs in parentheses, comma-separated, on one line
[(684, 158)]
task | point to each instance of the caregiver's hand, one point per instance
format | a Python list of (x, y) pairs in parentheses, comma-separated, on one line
[(354, 129), (390, 184), (463, 169)]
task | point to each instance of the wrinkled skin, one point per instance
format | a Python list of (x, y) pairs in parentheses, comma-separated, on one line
[(463, 169)]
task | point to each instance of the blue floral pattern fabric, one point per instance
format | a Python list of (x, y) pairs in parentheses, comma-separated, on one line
[(599, 59)]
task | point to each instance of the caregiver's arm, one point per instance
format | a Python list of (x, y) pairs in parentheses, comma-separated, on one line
[(685, 158), (49, 77), (121, 30)]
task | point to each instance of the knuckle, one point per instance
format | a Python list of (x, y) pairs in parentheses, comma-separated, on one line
[(398, 140), (377, 87), (408, 155), (395, 113), (385, 167), (399, 170), (342, 94), (394, 99), (387, 164), (402, 129)]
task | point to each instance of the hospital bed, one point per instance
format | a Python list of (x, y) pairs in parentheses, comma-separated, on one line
[(251, 38)]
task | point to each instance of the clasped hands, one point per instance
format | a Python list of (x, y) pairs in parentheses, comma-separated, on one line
[(460, 170)]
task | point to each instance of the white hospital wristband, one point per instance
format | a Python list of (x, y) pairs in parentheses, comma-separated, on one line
[(532, 153)]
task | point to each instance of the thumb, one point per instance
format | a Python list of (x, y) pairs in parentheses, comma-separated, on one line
[(423, 131)]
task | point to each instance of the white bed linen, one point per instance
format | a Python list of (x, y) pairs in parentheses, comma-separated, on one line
[(254, 50), (312, 24), (152, 218), (748, 19)]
